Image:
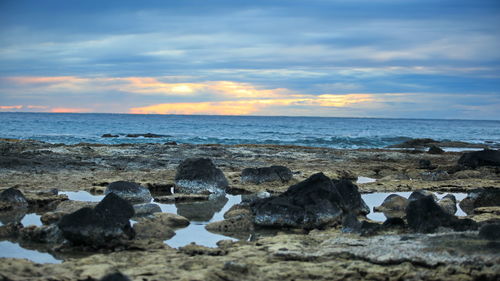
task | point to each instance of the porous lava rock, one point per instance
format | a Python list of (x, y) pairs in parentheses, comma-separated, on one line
[(474, 159), (200, 175), (481, 197), (266, 174), (106, 225), (14, 197), (130, 191), (313, 203), (426, 216)]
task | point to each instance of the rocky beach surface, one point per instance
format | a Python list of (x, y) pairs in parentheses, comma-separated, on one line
[(301, 216)]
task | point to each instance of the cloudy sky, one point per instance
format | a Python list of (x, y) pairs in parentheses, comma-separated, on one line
[(357, 58)]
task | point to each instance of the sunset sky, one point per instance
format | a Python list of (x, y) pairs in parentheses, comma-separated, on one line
[(358, 58)]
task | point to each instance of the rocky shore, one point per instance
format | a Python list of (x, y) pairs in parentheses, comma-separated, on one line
[(302, 216)]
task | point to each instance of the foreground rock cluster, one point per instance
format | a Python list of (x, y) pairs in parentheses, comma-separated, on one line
[(302, 216)]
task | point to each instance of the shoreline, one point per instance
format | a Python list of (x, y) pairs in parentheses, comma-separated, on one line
[(323, 254)]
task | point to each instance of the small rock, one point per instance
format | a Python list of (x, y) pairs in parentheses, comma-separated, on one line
[(199, 175), (42, 234), (434, 149), (394, 206), (235, 267), (14, 196), (182, 197), (130, 191), (266, 174), (435, 176), (424, 164), (481, 197), (448, 204), (476, 159), (490, 231), (109, 136), (146, 209), (418, 194), (195, 250), (117, 276)]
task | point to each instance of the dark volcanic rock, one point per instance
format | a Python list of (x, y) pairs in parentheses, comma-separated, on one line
[(14, 196), (109, 136), (480, 198), (419, 194), (448, 204), (425, 215), (199, 175), (266, 174), (129, 191), (148, 135), (105, 225), (424, 164), (435, 176), (146, 209), (490, 231), (476, 159), (117, 276), (414, 143), (314, 202), (434, 149)]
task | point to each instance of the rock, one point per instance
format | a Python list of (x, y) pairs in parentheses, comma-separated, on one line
[(435, 176), (231, 225), (418, 194), (130, 191), (109, 136), (415, 143), (199, 175), (480, 198), (351, 224), (13, 215), (315, 202), (168, 219), (266, 174), (159, 226), (486, 157), (10, 230), (64, 208), (425, 215), (42, 234), (424, 164), (117, 276), (448, 204), (434, 149), (106, 225), (13, 196), (235, 267), (195, 250), (249, 198), (490, 231), (147, 135), (394, 206), (146, 209)]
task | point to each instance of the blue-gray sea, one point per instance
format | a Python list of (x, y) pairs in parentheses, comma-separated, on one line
[(195, 129)]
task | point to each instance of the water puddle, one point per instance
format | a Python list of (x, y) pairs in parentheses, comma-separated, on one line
[(20, 216), (376, 199), (14, 250), (362, 180), (199, 214)]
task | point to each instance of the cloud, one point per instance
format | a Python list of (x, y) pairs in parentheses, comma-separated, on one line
[(69, 110), (7, 107)]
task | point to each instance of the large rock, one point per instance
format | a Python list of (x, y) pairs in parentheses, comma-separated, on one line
[(106, 225), (130, 191), (476, 159), (425, 215), (315, 202), (480, 198), (199, 175), (266, 174), (14, 197)]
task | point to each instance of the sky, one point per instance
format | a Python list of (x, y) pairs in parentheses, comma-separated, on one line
[(338, 58)]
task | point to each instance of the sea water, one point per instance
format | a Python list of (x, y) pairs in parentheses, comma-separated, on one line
[(196, 129)]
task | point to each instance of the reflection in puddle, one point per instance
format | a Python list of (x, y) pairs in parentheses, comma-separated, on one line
[(13, 250), (199, 213), (21, 216), (31, 219), (376, 199), (362, 180)]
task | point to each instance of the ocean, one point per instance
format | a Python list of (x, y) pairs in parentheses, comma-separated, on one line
[(71, 128)]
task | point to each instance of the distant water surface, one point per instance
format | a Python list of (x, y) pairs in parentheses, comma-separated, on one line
[(195, 129)]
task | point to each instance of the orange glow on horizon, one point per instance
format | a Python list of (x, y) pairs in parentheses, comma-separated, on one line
[(68, 110)]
